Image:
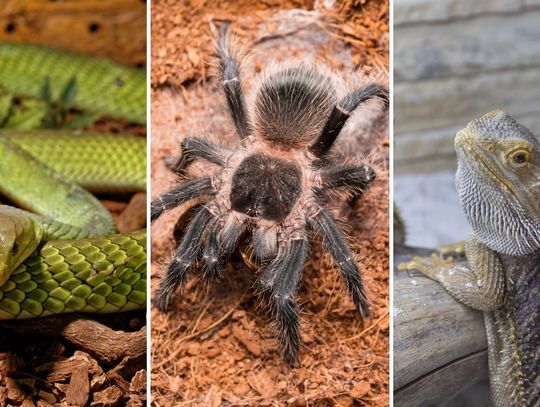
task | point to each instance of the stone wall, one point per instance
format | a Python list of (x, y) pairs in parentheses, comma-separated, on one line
[(455, 60)]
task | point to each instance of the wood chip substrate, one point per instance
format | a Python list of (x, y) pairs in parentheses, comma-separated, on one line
[(78, 360)]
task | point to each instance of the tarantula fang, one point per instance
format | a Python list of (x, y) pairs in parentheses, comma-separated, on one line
[(270, 187)]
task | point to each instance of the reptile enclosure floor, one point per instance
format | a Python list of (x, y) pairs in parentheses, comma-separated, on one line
[(216, 346)]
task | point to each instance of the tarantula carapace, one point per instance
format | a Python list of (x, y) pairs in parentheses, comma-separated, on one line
[(271, 187)]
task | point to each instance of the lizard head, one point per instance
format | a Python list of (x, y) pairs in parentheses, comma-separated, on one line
[(498, 182)]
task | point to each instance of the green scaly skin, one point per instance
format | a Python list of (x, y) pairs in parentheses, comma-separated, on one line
[(93, 273), (102, 87), (91, 151)]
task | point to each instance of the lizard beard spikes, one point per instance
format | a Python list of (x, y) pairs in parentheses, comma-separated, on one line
[(500, 213), (498, 222)]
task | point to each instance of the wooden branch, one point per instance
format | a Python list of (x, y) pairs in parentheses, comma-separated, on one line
[(444, 384), (440, 344), (113, 29), (105, 344)]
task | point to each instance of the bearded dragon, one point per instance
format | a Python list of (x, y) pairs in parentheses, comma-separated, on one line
[(498, 183)]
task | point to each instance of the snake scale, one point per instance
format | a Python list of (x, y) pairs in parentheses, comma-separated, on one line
[(103, 87), (59, 248)]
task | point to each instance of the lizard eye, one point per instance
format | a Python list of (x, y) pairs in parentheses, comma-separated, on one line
[(520, 158)]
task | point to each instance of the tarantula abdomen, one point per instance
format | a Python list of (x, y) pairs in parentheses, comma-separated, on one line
[(292, 104), (265, 187)]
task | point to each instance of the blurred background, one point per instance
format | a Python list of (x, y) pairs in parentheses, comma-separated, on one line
[(455, 60), (113, 29)]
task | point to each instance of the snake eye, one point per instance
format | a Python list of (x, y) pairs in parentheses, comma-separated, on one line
[(520, 158)]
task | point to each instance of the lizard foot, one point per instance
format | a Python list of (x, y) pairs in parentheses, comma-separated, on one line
[(457, 249), (429, 266)]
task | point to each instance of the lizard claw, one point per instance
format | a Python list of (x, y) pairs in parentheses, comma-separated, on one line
[(428, 266)]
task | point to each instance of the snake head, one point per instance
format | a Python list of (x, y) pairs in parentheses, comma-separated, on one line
[(19, 237)]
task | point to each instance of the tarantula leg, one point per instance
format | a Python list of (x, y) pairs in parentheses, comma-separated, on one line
[(232, 86), (183, 221), (337, 246), (264, 244), (278, 282), (230, 233), (341, 113), (177, 196), (354, 178), (212, 256), (193, 147), (220, 244), (183, 259)]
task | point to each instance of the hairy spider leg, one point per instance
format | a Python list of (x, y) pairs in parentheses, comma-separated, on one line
[(220, 244), (353, 178), (232, 86), (193, 147), (341, 113), (278, 282), (212, 256), (334, 242), (177, 196), (264, 243), (184, 257)]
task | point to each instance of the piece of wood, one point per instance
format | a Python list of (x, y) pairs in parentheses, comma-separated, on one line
[(105, 344), (436, 339), (110, 397), (442, 385), (61, 370), (134, 215), (79, 387), (115, 29)]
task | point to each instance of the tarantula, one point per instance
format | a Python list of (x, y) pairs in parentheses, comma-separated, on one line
[(271, 187)]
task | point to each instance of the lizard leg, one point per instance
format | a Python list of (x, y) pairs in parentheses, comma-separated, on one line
[(457, 249), (480, 286)]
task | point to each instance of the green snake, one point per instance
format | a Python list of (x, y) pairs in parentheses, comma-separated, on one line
[(102, 87), (59, 248)]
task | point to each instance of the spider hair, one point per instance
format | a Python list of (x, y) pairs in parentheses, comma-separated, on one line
[(271, 189)]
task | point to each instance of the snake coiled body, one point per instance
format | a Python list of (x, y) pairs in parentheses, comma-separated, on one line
[(98, 275), (59, 248), (79, 270)]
